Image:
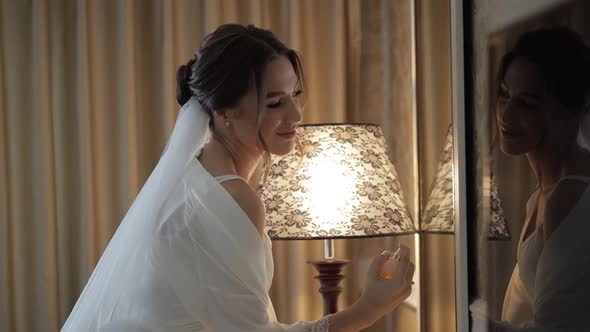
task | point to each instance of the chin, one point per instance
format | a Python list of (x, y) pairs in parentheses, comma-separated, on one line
[(513, 149), (281, 149)]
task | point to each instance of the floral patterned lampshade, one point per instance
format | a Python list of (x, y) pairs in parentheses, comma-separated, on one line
[(438, 215), (339, 183), (498, 227)]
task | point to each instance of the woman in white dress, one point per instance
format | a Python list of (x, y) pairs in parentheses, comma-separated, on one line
[(542, 111), (192, 254)]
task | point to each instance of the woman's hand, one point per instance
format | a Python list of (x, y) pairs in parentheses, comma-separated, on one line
[(385, 290)]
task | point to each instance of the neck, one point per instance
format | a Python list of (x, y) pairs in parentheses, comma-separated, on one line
[(217, 157), (551, 163)]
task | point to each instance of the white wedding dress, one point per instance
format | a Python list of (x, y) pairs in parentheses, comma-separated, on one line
[(550, 287), (210, 270), (186, 257)]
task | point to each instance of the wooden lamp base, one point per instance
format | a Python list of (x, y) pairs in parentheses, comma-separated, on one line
[(330, 276)]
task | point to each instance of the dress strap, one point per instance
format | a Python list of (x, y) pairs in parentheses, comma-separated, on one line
[(229, 177), (576, 177)]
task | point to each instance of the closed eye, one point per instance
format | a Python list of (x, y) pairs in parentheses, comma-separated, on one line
[(274, 105), (527, 103), (503, 94), (279, 103)]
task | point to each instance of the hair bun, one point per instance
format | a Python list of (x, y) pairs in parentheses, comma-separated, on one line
[(183, 77)]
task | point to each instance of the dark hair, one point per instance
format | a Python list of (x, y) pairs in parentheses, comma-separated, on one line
[(564, 60), (228, 61)]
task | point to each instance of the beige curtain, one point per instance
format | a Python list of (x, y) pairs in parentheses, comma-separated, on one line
[(87, 99)]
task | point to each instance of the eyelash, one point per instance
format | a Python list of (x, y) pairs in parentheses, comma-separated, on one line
[(503, 95), (277, 104)]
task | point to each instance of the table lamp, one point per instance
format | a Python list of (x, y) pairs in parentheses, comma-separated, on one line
[(438, 215), (337, 183)]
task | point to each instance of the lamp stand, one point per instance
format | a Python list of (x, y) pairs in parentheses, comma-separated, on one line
[(330, 275)]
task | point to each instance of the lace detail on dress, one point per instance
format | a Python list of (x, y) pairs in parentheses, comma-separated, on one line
[(321, 325)]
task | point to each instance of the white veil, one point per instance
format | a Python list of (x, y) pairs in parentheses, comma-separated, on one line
[(583, 138), (125, 253)]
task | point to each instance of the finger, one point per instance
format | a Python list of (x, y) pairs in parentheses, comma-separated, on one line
[(402, 255), (377, 262), (402, 268), (403, 251), (410, 273), (407, 292)]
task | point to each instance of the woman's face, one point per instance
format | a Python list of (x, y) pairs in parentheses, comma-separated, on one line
[(522, 108), (281, 114)]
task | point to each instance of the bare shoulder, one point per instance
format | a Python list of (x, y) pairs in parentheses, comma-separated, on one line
[(561, 202), (248, 200)]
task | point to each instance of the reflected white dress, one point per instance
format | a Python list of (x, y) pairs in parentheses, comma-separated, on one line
[(205, 268), (550, 286)]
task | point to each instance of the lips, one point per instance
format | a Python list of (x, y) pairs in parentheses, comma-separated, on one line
[(287, 134), (509, 132)]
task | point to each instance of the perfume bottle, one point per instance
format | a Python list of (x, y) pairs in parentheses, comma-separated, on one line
[(388, 268)]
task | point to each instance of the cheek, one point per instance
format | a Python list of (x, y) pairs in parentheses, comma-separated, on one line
[(269, 126), (535, 127), (246, 128), (504, 113)]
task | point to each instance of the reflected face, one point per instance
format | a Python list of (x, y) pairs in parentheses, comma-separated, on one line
[(281, 114), (522, 107)]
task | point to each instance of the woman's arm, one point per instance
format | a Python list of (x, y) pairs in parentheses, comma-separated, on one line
[(233, 309), (379, 297), (352, 319)]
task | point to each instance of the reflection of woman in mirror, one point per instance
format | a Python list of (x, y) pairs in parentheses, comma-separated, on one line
[(542, 111)]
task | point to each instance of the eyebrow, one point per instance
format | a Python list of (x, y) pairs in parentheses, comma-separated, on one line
[(280, 93), (530, 95), (533, 95), (275, 94)]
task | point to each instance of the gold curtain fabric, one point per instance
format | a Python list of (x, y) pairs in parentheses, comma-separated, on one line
[(87, 100), (433, 54)]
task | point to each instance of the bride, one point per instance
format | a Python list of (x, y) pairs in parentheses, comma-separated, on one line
[(192, 254)]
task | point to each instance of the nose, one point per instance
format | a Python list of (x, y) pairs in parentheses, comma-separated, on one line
[(294, 112), (505, 112)]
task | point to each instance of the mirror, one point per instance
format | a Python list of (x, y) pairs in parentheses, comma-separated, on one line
[(500, 185)]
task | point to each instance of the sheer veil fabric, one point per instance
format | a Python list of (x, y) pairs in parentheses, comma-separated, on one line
[(185, 257), (125, 253)]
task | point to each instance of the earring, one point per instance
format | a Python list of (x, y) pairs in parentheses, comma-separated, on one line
[(227, 123)]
